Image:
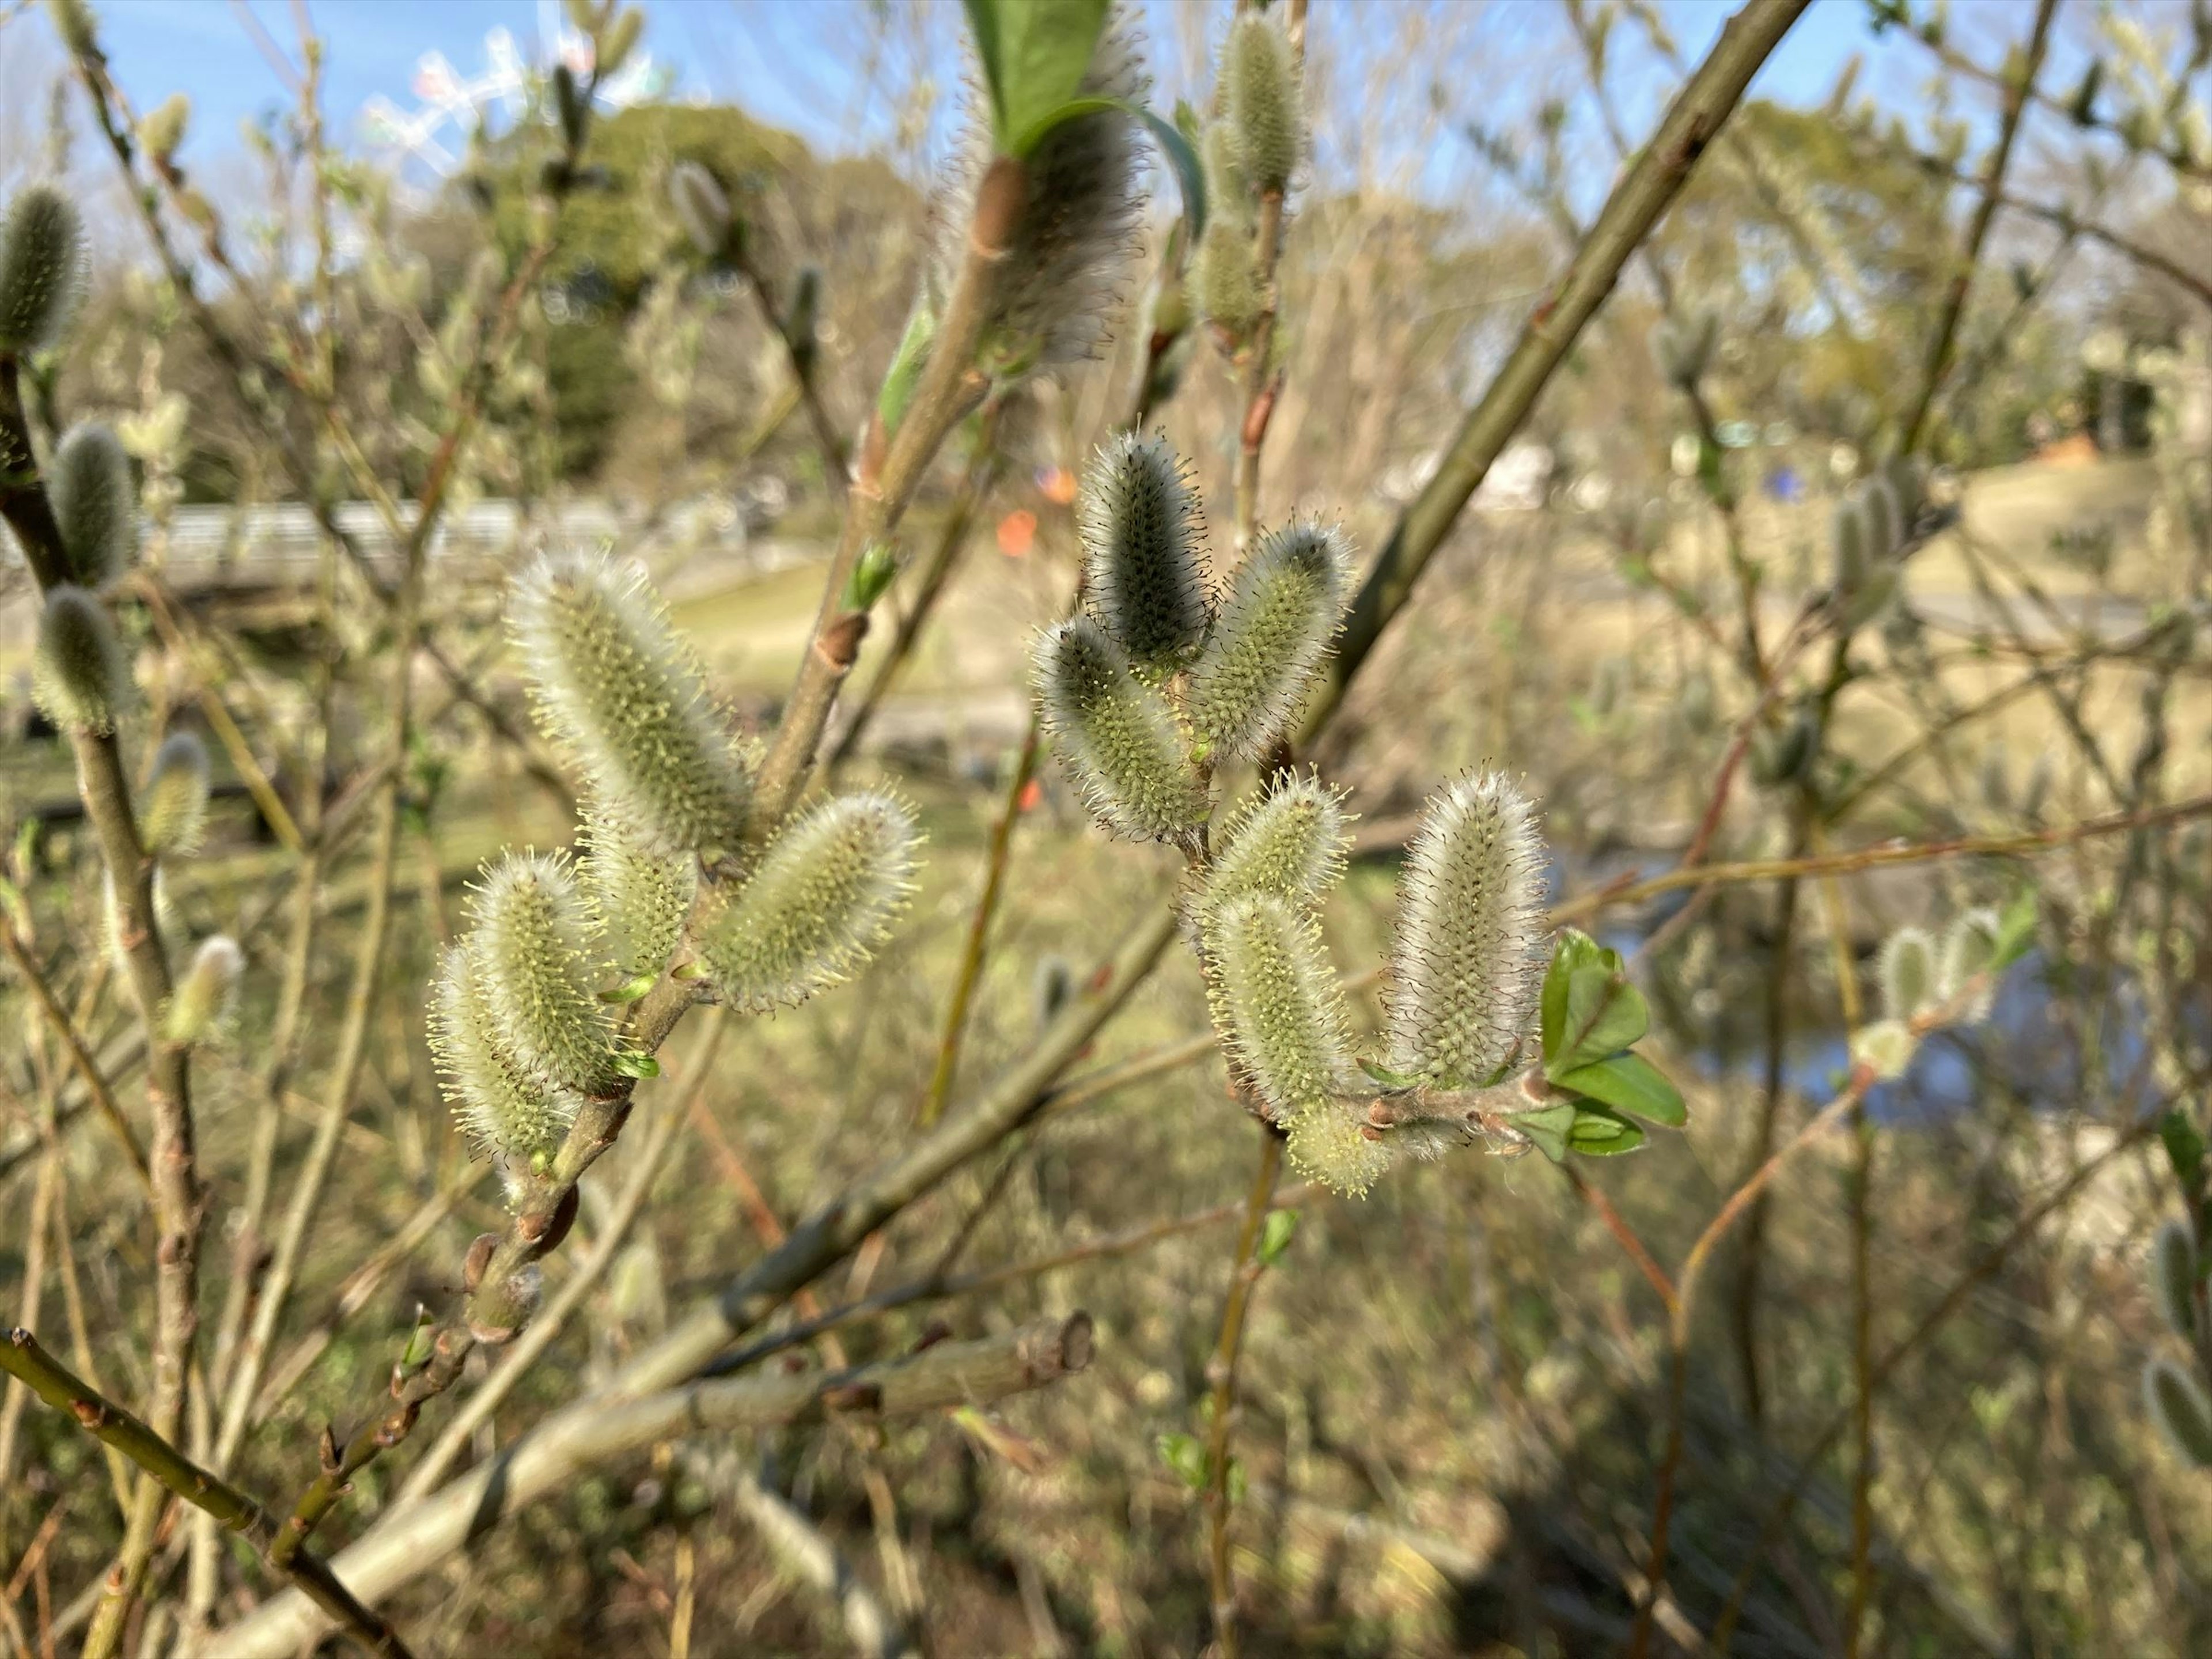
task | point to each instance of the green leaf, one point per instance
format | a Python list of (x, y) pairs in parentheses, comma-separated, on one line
[(1275, 1236), (2184, 1148), (1629, 1083), (1546, 1127), (1383, 1075), (634, 1065), (906, 367), (1597, 1133), (871, 573), (1590, 1011), (1034, 55), (631, 990), (2015, 932), (1182, 154), (1182, 1454)]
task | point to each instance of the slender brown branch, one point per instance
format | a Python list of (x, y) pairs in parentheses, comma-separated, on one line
[(81, 1057)]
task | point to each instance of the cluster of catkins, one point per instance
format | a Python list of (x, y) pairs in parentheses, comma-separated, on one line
[(1873, 527), (81, 678), (1250, 151), (526, 1022), (1156, 679), (1919, 975)]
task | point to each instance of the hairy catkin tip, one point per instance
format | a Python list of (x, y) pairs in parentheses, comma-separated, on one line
[(1264, 101), (172, 816), (1290, 842), (531, 948), (1276, 1003), (639, 899), (1277, 623), (811, 912), (41, 268), (616, 685), (206, 994), (1906, 973), (500, 1107), (703, 207), (1116, 735), (2178, 1406), (2173, 1279), (95, 503), (79, 676), (1143, 569), (1467, 959)]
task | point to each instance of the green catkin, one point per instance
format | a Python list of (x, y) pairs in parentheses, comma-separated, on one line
[(73, 20), (172, 815), (1224, 277), (703, 207), (497, 1103), (1281, 613), (821, 898), (615, 684), (206, 996), (640, 899), (531, 948), (2173, 1279), (1260, 75), (2177, 1405), (1886, 1046), (1330, 1144), (1906, 973), (1229, 196), (80, 678), (1116, 735), (1276, 1003), (1850, 540), (1465, 960), (1144, 575), (163, 130), (620, 40), (41, 268), (1290, 842), (95, 503), (1969, 948)]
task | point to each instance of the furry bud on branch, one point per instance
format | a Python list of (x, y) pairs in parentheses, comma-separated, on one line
[(530, 947), (79, 677), (1906, 971), (206, 993), (1265, 107), (639, 898), (616, 686), (500, 1107), (2178, 1406), (173, 817), (1144, 570), (812, 912), (1116, 735), (95, 503), (1289, 841), (1224, 278), (1969, 948), (1466, 962), (163, 130), (1276, 1004), (1283, 609), (2173, 1279), (41, 269)]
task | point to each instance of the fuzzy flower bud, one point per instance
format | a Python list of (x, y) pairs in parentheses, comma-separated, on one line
[(1283, 609), (163, 130), (79, 677), (173, 817), (702, 206), (1906, 972), (1265, 103), (1289, 841), (1145, 571), (1224, 277), (41, 268), (640, 898), (1276, 1004), (1886, 1046), (2178, 1406), (497, 1105), (531, 949), (1467, 959), (1332, 1145), (1229, 191), (1969, 948), (1116, 735), (823, 897), (2173, 1279), (1852, 540), (206, 994), (95, 503), (615, 683)]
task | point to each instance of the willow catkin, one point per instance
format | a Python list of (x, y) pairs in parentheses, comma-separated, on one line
[(498, 1105), (1465, 958), (172, 813), (2173, 1279), (1289, 841), (1275, 1002), (2178, 1406), (617, 687), (95, 503), (1968, 949), (1277, 623), (205, 997), (1906, 971), (80, 678), (531, 948), (1144, 575), (41, 268), (639, 898), (823, 895), (1116, 735), (1265, 103)]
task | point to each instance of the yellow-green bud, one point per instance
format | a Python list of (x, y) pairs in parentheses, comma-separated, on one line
[(1283, 609), (206, 993), (1906, 971), (173, 817), (1466, 961), (1289, 841), (1886, 1046), (1969, 948), (621, 37), (531, 950), (812, 911), (74, 23), (79, 677), (41, 269), (162, 130), (498, 1105), (1116, 735), (95, 503), (1265, 102), (1224, 278), (1145, 571)]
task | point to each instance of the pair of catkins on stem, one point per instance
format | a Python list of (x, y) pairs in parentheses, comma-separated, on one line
[(81, 675), (1157, 679)]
